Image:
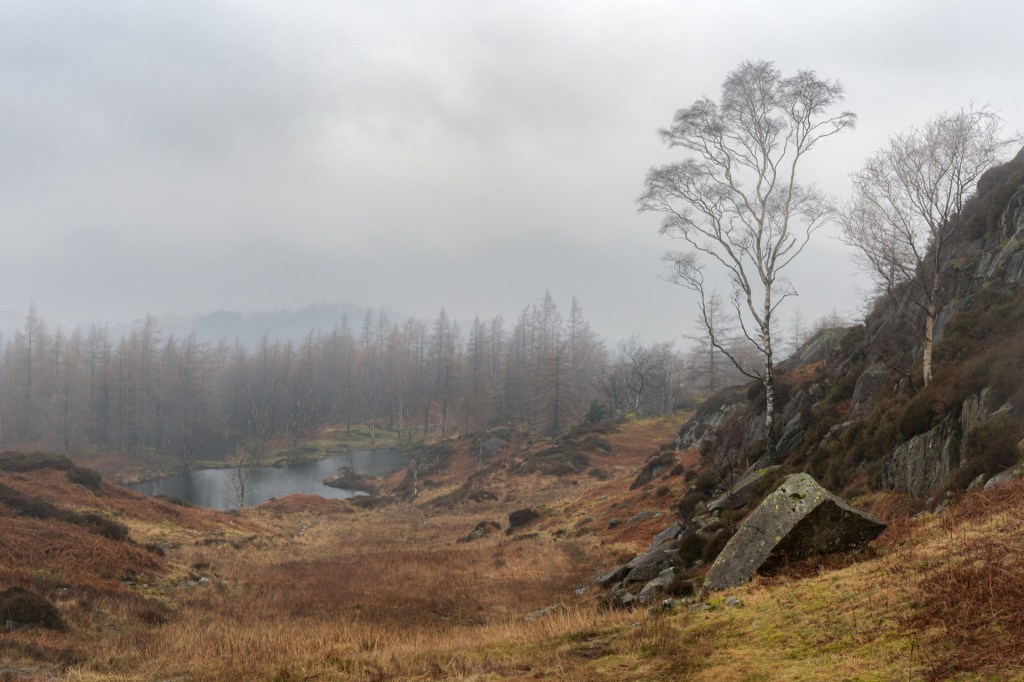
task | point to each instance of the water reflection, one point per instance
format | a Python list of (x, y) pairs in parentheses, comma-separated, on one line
[(214, 489)]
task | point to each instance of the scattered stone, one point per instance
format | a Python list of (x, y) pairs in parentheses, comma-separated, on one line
[(700, 607), (798, 520), (610, 578), (1003, 478), (534, 615), (733, 602), (655, 466), (657, 586), (944, 503), (643, 516), (670, 533), (642, 574), (977, 483), (614, 523), (483, 529)]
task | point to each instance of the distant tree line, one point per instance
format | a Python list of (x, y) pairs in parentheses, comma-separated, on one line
[(150, 391)]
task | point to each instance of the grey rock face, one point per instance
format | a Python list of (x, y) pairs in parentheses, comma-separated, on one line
[(798, 520), (868, 386), (702, 425), (923, 462)]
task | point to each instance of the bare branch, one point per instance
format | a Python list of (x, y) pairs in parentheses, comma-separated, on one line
[(735, 198)]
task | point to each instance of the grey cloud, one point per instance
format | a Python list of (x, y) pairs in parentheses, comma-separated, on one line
[(208, 154)]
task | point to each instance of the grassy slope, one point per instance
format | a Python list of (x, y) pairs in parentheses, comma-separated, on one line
[(306, 588)]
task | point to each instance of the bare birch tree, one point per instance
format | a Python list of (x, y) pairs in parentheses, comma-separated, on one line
[(907, 203), (736, 200)]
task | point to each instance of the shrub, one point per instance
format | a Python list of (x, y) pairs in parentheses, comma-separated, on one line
[(28, 608), (691, 548), (715, 544), (918, 416), (171, 499), (689, 502), (85, 477), (37, 507), (22, 461), (520, 518), (106, 527)]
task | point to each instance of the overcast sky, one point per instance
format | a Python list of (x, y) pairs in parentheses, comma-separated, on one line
[(208, 154)]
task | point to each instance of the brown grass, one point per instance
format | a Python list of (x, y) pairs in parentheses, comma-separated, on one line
[(968, 590), (310, 589)]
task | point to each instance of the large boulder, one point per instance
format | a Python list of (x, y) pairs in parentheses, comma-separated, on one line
[(798, 520)]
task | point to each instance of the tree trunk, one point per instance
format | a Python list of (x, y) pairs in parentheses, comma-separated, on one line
[(929, 334), (769, 382)]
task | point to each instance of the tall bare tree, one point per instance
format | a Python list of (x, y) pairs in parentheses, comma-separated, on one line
[(907, 202), (736, 200)]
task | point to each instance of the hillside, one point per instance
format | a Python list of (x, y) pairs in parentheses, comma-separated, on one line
[(854, 412), (307, 588)]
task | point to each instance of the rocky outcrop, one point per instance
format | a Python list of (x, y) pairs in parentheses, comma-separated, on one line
[(798, 520), (793, 428), (1004, 260), (557, 461), (921, 464), (350, 480), (655, 466), (869, 385), (706, 420), (646, 576)]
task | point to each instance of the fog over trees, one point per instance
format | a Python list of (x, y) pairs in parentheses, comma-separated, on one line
[(147, 390)]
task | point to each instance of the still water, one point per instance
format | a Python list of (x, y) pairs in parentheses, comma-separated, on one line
[(214, 488)]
